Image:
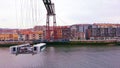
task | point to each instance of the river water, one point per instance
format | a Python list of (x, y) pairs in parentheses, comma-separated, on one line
[(64, 57)]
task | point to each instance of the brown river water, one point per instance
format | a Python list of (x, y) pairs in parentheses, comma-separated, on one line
[(64, 57)]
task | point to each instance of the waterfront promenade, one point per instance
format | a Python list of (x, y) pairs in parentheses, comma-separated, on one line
[(14, 42), (71, 42)]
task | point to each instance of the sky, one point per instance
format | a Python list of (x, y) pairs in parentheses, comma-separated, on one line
[(28, 13)]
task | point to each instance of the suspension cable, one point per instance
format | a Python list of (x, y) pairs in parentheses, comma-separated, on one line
[(21, 10), (16, 11), (35, 9), (32, 8)]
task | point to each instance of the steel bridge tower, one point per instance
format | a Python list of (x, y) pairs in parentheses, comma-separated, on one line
[(50, 12)]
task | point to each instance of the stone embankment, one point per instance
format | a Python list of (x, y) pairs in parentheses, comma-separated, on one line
[(11, 43)]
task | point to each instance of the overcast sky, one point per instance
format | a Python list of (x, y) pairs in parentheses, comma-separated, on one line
[(68, 12)]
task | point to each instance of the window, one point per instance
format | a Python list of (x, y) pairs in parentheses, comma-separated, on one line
[(14, 49), (35, 48)]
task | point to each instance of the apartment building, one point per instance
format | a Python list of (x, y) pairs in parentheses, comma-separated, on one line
[(9, 37), (105, 31)]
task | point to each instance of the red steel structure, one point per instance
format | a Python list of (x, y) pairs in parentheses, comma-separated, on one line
[(50, 12)]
